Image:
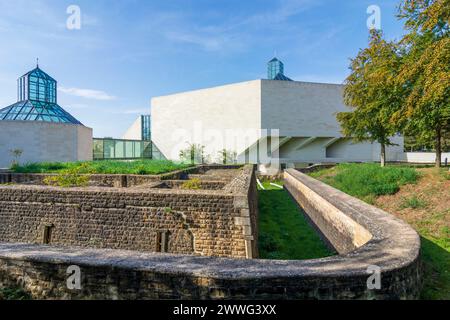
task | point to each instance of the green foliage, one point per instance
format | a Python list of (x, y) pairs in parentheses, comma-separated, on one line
[(192, 184), (372, 92), (413, 202), (284, 232), (16, 154), (194, 153), (71, 177), (140, 167), (404, 86), (435, 249), (227, 156), (368, 180), (436, 258), (425, 71), (13, 294)]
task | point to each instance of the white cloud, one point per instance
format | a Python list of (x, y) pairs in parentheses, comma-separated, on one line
[(87, 93)]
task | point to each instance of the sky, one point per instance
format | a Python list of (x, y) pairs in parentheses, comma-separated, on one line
[(128, 51)]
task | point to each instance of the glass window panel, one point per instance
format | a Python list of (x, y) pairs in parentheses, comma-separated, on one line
[(109, 149), (120, 149), (129, 147)]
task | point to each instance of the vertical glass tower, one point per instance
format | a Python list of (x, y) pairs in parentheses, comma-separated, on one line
[(275, 70), (37, 100), (274, 67), (145, 128)]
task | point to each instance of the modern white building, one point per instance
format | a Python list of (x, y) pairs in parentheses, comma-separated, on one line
[(139, 130), (37, 129), (292, 121)]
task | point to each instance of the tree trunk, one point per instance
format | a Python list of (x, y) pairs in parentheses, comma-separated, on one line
[(438, 147), (383, 154)]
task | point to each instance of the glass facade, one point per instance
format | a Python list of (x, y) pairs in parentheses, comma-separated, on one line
[(120, 149), (274, 67), (275, 70), (146, 131), (37, 100)]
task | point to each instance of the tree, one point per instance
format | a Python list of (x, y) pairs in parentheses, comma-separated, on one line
[(193, 154), (227, 156), (425, 71), (371, 91), (16, 154)]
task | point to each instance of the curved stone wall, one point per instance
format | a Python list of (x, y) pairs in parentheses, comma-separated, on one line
[(366, 238)]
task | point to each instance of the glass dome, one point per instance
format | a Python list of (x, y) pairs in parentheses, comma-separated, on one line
[(37, 100)]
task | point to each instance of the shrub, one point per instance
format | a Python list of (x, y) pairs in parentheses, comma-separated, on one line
[(74, 177), (192, 184), (413, 202), (16, 154), (194, 153), (388, 188)]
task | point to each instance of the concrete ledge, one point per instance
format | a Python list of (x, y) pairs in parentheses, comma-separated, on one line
[(365, 236)]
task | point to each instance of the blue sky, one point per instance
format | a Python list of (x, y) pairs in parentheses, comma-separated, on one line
[(128, 51)]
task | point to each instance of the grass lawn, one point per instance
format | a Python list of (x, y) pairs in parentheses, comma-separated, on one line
[(284, 232), (103, 167), (421, 198), (367, 181)]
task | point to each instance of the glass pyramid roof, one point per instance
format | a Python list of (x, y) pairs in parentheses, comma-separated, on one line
[(30, 110), (282, 77), (36, 95)]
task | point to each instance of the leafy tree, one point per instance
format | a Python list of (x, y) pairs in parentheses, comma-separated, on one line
[(193, 154), (16, 154), (373, 94), (227, 156), (425, 73)]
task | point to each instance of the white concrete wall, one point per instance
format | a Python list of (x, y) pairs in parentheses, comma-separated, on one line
[(211, 117), (425, 157), (43, 141), (297, 109), (135, 131), (85, 144), (302, 109), (342, 150)]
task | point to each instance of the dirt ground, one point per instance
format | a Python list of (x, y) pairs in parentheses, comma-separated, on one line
[(431, 213)]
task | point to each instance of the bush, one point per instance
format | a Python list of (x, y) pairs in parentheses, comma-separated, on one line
[(413, 202), (192, 184), (67, 180), (73, 177)]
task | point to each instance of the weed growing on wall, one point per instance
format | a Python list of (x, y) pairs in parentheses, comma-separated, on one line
[(192, 184), (72, 177)]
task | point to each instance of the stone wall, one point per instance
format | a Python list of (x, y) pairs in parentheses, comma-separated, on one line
[(117, 274), (128, 180), (381, 241), (202, 222)]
